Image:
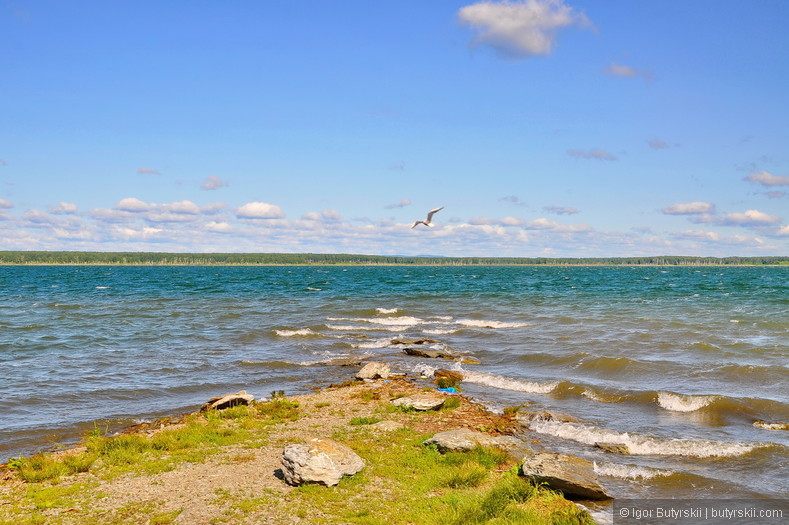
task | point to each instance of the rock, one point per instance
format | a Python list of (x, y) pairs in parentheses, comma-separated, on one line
[(464, 439), (616, 448), (413, 341), (470, 360), (771, 426), (527, 416), (448, 374), (319, 461), (420, 401), (429, 353), (344, 361), (374, 370), (227, 401), (573, 476), (387, 426)]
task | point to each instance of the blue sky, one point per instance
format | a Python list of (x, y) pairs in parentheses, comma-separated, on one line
[(545, 128)]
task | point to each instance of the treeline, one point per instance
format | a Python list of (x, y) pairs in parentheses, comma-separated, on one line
[(218, 259)]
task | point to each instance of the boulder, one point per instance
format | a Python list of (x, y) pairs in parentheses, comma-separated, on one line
[(413, 341), (429, 353), (448, 374), (424, 401), (527, 416), (374, 370), (575, 477), (464, 439), (615, 448), (227, 401), (319, 460), (386, 426)]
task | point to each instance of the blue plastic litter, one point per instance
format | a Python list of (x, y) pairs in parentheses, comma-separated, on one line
[(450, 390)]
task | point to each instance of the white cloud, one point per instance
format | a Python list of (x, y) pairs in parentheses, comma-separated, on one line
[(218, 227), (597, 154), (545, 224), (64, 208), (521, 28), (784, 230), (213, 209), (147, 171), (689, 208), (749, 218), (766, 178), (39, 217), (259, 210), (618, 70), (184, 207), (402, 204), (560, 210), (132, 204), (6, 204), (214, 183), (331, 216), (513, 199)]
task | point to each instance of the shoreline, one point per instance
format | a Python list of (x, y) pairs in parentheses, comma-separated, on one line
[(238, 480)]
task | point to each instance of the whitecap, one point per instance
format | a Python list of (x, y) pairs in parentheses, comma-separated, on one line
[(375, 343), (506, 383), (480, 323), (102, 287), (616, 470), (291, 333), (439, 331), (642, 445), (386, 310), (683, 403)]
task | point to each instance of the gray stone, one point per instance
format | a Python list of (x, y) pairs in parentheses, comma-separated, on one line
[(429, 353), (527, 416), (615, 448), (464, 439), (319, 460), (227, 401), (420, 401), (374, 370), (575, 477)]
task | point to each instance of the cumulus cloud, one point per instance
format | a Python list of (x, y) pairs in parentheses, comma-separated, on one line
[(597, 154), (512, 199), (545, 224), (183, 207), (521, 29), (214, 183), (766, 178), (783, 230), (132, 204), (619, 70), (218, 227), (402, 204), (63, 208), (749, 218), (5, 204), (259, 210), (147, 171), (689, 208), (560, 210)]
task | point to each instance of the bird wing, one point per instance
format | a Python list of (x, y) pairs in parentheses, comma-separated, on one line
[(432, 212), (415, 223)]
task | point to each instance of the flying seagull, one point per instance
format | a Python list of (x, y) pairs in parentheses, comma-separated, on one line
[(430, 214)]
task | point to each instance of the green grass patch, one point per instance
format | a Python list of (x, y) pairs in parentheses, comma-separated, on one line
[(364, 421)]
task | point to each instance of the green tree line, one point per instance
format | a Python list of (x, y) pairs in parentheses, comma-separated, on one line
[(219, 259)]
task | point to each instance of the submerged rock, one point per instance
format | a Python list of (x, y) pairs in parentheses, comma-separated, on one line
[(227, 401), (615, 448), (413, 341), (319, 460), (575, 477), (429, 353), (374, 370), (420, 401)]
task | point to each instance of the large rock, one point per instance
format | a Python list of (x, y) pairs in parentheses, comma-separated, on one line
[(227, 401), (413, 341), (319, 461), (464, 439), (527, 416), (423, 401), (374, 370), (614, 448), (575, 477), (429, 353)]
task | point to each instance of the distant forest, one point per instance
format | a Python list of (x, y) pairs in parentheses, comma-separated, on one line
[(220, 259)]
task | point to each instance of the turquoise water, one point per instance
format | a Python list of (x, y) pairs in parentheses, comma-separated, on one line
[(677, 363)]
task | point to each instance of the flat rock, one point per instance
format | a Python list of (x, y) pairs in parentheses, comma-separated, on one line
[(429, 353), (374, 370), (616, 448), (424, 401), (227, 401), (575, 477), (319, 460), (344, 361), (413, 341), (387, 426)]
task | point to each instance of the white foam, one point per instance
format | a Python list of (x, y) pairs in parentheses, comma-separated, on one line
[(683, 403), (314, 289), (394, 321), (375, 343), (506, 383), (642, 445), (424, 370), (616, 470), (102, 287), (358, 328), (771, 426), (439, 331), (386, 310), (291, 333), (480, 323)]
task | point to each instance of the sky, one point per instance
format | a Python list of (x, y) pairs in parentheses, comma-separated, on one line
[(546, 128)]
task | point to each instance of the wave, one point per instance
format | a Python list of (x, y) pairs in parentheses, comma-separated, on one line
[(383, 342), (770, 426), (385, 321), (643, 445), (359, 328), (633, 472), (683, 403), (506, 383), (480, 323), (439, 331), (386, 310), (297, 332)]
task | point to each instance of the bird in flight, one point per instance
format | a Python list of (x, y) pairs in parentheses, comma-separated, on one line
[(430, 214)]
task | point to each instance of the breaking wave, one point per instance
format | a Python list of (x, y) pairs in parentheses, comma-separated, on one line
[(506, 383), (616, 470), (683, 403), (480, 323)]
